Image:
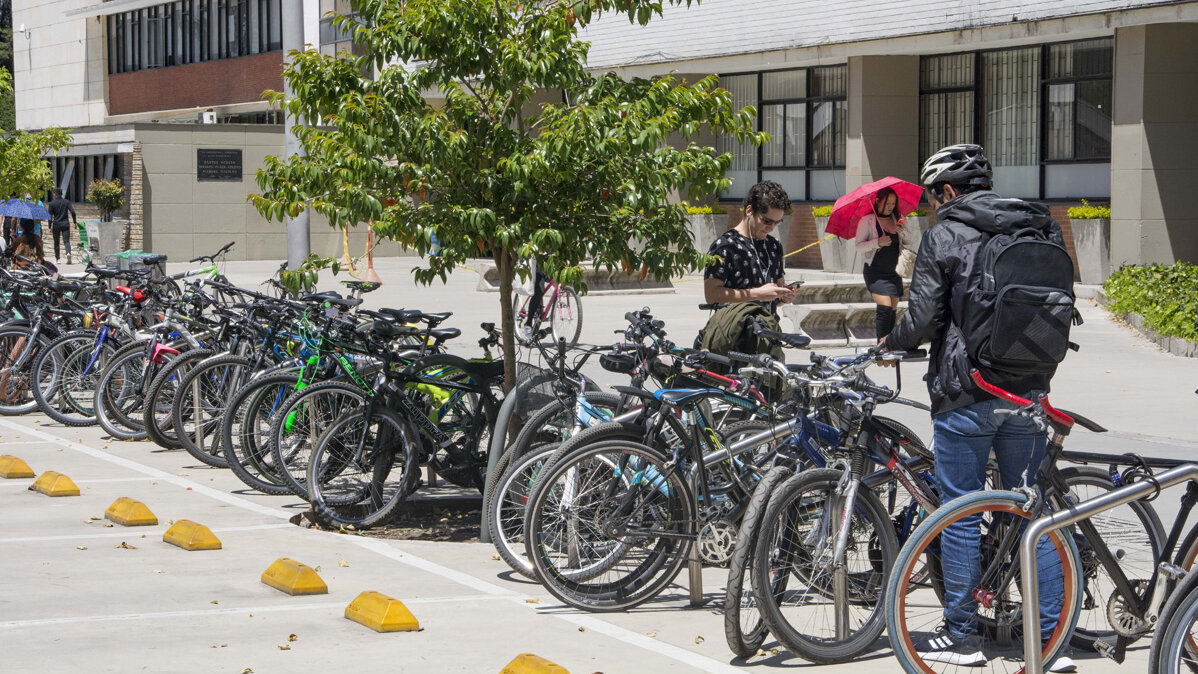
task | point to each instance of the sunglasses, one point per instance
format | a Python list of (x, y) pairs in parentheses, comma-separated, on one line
[(767, 222)]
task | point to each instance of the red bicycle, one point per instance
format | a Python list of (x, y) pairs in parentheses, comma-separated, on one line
[(561, 308)]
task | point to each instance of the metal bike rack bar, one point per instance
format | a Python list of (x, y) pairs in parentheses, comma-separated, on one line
[(1033, 663)]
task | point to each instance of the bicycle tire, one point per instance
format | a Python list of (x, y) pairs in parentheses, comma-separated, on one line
[(231, 372), (301, 420), (157, 417), (1135, 535), (70, 353), (782, 556), (505, 509), (341, 496), (621, 571), (245, 432), (467, 417), (560, 322), (16, 396), (119, 393), (994, 508), (744, 629)]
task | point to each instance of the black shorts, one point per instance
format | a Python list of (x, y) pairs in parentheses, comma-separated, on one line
[(890, 284)]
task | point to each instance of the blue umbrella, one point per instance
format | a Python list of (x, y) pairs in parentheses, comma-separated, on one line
[(19, 208)]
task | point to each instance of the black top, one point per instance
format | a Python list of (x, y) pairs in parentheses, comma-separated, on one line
[(58, 209), (886, 258), (745, 262)]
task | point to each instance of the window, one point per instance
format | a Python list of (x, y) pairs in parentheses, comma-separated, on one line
[(192, 31), (804, 113), (73, 175), (1042, 113)]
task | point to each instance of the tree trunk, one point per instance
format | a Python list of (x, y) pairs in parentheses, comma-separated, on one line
[(506, 264)]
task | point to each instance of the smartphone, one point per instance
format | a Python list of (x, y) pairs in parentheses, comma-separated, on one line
[(794, 285)]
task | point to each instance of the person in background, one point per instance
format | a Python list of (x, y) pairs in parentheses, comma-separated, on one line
[(881, 235), (28, 245), (60, 225)]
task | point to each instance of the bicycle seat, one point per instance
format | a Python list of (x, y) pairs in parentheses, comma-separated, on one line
[(136, 293), (384, 329), (434, 319), (403, 315), (362, 286), (676, 396), (320, 296), (153, 259), (442, 334)]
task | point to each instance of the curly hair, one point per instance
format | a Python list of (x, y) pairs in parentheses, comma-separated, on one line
[(766, 195)]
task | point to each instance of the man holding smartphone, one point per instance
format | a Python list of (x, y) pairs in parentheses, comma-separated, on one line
[(751, 265)]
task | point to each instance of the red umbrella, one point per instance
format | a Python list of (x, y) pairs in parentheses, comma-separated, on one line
[(850, 208)]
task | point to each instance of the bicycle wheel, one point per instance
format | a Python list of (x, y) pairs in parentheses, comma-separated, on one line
[(197, 419), (1134, 534), (245, 432), (916, 610), (361, 470), (302, 418), (1175, 643), (565, 317), (156, 413), (16, 369), (520, 317), (744, 628), (121, 392), (66, 377), (505, 511), (610, 526), (465, 415), (820, 611)]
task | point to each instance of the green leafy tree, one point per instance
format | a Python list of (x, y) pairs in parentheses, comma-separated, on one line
[(22, 167), (107, 195), (498, 141)]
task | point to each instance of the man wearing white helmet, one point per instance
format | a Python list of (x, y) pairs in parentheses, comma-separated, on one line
[(967, 422)]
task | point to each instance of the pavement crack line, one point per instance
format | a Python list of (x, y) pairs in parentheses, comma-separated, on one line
[(677, 653)]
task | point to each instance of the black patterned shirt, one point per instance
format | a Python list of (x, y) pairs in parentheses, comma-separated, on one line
[(745, 262)]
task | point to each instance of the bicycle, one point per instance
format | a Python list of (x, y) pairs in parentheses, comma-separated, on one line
[(561, 308)]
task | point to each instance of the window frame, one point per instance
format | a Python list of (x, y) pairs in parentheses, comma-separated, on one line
[(1042, 114)]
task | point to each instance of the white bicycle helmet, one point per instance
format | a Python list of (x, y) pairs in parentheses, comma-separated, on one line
[(957, 165)]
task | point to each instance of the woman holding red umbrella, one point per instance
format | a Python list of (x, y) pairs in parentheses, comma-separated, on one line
[(881, 235)]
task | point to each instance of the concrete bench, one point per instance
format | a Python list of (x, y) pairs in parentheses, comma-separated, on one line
[(835, 323)]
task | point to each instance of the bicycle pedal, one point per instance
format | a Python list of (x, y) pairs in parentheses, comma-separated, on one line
[(1104, 649), (1174, 572)]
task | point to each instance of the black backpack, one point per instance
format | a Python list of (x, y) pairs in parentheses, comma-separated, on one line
[(1019, 311)]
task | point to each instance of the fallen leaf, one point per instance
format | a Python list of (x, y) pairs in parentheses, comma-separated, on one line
[(284, 647), (219, 646), (532, 601), (582, 629), (651, 634), (496, 557), (342, 563), (291, 637), (774, 651), (317, 568), (183, 474), (108, 524), (247, 670), (94, 518), (699, 640), (125, 546), (80, 547), (761, 653), (214, 602)]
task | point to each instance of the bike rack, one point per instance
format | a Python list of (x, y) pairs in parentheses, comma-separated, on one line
[(1030, 589)]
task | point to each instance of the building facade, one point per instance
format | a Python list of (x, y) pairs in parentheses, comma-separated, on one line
[(1091, 99), (168, 96)]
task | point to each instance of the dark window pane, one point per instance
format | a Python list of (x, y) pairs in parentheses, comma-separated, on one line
[(946, 72), (1059, 133), (841, 123), (1090, 58), (276, 26), (771, 123), (829, 81), (1094, 119), (796, 135), (823, 141)]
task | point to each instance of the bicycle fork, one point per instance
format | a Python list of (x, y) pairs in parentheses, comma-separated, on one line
[(844, 503)]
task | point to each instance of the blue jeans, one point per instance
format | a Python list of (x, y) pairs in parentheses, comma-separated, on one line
[(963, 440)]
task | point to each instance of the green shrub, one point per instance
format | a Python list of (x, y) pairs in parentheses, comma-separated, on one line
[(1088, 212), (821, 211), (705, 210), (107, 195), (1166, 296)]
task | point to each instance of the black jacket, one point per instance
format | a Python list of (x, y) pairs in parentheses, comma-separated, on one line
[(58, 209), (944, 275)]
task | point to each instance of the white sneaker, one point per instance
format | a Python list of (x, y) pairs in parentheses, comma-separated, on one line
[(526, 333), (1063, 664)]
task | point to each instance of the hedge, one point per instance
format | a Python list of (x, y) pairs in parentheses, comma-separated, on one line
[(1166, 296)]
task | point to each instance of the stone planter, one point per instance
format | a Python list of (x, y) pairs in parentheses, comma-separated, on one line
[(705, 229), (838, 255), (1092, 243), (917, 225), (111, 241)]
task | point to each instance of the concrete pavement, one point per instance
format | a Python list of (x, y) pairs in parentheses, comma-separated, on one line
[(158, 608)]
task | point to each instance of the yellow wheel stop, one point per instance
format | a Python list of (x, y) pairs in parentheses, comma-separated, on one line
[(51, 483), (381, 613), (191, 536), (293, 578), (127, 512), (527, 663), (12, 468)]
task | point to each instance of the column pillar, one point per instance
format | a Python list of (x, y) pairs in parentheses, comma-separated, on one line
[(883, 109), (298, 228), (1154, 145)]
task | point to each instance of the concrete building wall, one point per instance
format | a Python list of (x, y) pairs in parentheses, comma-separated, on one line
[(882, 138), (1154, 145), (185, 217), (58, 65)]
